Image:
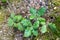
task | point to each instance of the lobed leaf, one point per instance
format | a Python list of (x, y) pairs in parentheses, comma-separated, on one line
[(12, 15), (41, 19), (27, 32), (17, 18), (10, 22), (43, 29), (41, 11), (20, 27), (33, 11), (52, 27), (32, 17), (15, 24), (26, 22), (36, 25), (35, 32)]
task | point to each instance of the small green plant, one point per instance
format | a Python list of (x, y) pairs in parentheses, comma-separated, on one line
[(36, 15), (27, 26), (23, 25)]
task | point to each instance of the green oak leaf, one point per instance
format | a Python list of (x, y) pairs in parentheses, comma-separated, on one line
[(26, 22), (10, 22), (35, 32), (27, 32), (32, 17), (20, 27), (36, 24), (43, 29), (42, 23), (12, 15), (15, 25), (41, 20), (31, 28), (52, 27), (33, 11), (41, 11), (17, 18)]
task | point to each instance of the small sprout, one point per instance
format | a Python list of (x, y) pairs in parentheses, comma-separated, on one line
[(41, 11), (33, 11), (41, 19), (17, 18)]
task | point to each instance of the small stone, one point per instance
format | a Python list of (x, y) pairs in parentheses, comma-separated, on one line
[(38, 6), (23, 12), (28, 8), (50, 3), (55, 7), (40, 3), (0, 31)]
